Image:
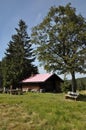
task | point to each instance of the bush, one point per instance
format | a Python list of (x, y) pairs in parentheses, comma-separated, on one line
[(66, 86)]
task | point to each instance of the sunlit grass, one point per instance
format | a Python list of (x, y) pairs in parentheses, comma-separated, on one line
[(41, 111)]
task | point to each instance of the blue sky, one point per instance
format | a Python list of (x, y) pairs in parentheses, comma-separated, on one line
[(32, 12)]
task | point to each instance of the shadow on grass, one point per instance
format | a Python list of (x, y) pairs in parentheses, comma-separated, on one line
[(82, 97)]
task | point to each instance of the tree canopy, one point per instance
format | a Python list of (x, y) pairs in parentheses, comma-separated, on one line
[(61, 41), (18, 61)]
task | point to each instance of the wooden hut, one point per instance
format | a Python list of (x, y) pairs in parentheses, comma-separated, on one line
[(42, 83)]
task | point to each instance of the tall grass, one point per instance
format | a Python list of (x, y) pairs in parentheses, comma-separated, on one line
[(41, 111)]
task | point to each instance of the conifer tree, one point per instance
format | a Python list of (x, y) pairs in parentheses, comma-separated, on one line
[(19, 58)]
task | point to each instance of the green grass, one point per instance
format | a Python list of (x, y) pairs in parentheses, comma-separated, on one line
[(41, 111)]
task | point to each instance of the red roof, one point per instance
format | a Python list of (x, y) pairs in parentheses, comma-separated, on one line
[(37, 78)]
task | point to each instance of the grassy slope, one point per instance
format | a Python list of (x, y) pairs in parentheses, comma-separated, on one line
[(38, 111)]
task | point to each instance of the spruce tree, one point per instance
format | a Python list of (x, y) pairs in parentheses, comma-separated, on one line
[(19, 57)]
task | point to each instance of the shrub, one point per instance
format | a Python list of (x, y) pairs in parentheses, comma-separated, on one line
[(66, 86)]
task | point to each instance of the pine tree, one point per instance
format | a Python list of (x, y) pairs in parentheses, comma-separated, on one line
[(19, 57)]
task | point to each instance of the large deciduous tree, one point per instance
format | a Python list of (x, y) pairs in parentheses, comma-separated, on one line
[(18, 61), (61, 41)]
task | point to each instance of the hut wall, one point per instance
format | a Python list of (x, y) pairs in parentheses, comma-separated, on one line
[(30, 87)]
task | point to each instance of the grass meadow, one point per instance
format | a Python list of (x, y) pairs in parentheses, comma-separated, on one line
[(42, 111)]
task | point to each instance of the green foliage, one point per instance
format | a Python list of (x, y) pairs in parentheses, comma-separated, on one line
[(81, 84), (18, 61), (61, 41), (66, 86)]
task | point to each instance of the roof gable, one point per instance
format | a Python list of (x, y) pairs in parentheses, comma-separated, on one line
[(38, 78)]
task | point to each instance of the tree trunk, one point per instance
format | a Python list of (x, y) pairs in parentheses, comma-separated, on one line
[(74, 86)]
